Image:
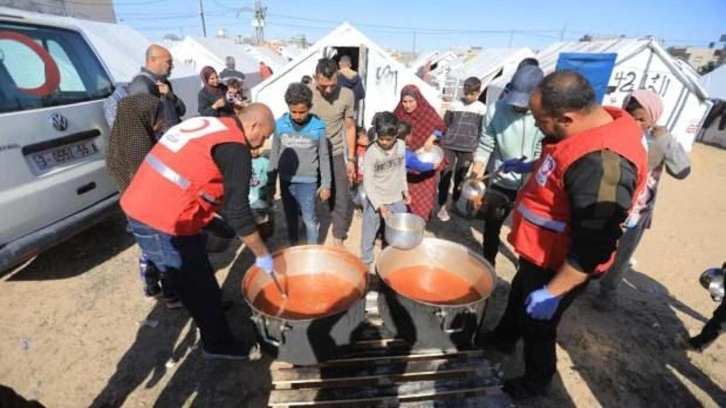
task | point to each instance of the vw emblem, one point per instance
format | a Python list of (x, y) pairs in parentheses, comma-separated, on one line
[(59, 122)]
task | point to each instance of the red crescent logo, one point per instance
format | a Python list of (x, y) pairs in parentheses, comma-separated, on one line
[(204, 124), (52, 73)]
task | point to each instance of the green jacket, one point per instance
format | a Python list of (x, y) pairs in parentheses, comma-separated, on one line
[(507, 134)]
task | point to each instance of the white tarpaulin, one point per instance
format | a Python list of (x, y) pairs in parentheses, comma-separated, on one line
[(715, 83)]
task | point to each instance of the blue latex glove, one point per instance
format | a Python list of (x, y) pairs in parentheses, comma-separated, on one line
[(541, 304), (265, 263), (517, 166)]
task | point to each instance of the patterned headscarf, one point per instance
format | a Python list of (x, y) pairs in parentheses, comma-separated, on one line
[(132, 136), (423, 120)]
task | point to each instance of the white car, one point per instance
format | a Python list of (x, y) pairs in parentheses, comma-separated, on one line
[(53, 137)]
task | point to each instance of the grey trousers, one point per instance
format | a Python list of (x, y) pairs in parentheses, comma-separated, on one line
[(341, 206), (626, 248)]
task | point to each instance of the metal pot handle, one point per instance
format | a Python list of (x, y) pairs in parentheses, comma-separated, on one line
[(266, 336), (446, 328)]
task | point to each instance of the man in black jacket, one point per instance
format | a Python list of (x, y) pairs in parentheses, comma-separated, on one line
[(154, 80)]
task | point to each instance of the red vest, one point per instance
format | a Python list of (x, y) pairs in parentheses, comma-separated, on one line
[(178, 187), (540, 231)]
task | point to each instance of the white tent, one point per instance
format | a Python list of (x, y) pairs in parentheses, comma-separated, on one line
[(270, 57), (291, 52), (198, 52), (715, 83), (643, 63), (438, 64), (121, 50), (492, 63), (383, 76), (488, 65)]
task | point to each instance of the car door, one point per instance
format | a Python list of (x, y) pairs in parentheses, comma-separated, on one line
[(52, 129)]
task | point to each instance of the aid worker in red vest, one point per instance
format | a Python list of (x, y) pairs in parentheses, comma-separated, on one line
[(175, 193), (567, 219)]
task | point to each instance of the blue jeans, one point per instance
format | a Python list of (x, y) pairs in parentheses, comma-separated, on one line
[(183, 259), (371, 225), (299, 199)]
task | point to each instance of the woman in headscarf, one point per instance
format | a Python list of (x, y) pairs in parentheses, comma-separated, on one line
[(664, 152), (212, 98), (427, 127), (138, 118)]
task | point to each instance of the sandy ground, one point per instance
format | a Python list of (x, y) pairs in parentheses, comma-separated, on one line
[(73, 331)]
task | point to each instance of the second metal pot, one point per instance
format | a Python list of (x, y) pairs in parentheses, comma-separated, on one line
[(445, 325)]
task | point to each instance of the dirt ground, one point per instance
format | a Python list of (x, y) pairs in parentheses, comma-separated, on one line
[(77, 332)]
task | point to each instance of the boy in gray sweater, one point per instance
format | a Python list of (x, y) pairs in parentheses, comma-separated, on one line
[(300, 156), (384, 180)]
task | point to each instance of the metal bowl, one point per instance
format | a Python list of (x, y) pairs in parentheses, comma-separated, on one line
[(713, 280), (434, 155), (404, 230), (473, 189)]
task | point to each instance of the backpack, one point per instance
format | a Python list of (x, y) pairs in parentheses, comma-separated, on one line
[(111, 103)]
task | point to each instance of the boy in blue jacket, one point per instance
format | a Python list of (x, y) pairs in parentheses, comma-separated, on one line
[(300, 157)]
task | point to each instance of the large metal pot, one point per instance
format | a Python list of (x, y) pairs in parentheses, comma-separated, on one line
[(326, 289), (404, 230), (418, 309)]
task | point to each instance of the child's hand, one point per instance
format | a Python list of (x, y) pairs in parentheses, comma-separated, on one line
[(385, 212), (324, 193), (429, 143), (406, 198)]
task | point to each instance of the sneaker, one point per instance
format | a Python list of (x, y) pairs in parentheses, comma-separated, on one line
[(173, 303), (519, 389), (443, 215), (237, 351), (338, 242)]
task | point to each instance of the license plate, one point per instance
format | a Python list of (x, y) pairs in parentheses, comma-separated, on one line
[(62, 155)]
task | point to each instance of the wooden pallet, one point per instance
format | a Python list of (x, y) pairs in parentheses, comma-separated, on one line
[(380, 371)]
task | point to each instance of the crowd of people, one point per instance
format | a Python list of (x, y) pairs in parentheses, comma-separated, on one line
[(578, 179)]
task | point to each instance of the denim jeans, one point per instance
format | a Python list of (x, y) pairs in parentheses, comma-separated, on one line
[(371, 224), (183, 259), (299, 199)]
